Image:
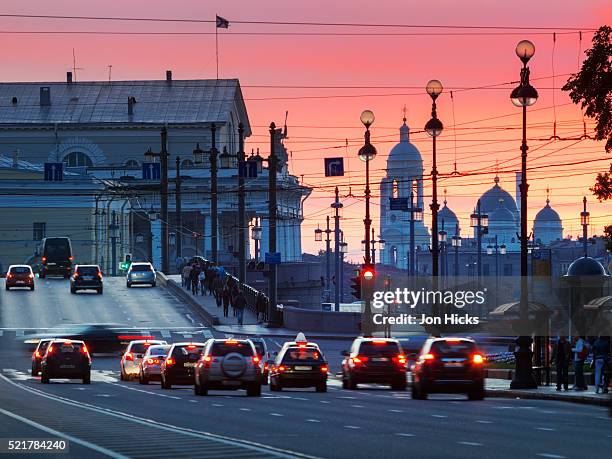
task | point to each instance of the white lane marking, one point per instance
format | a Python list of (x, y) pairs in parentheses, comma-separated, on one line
[(357, 406), (300, 398), (439, 416), (193, 401), (223, 439), (551, 456), (402, 434), (245, 409), (546, 429), (312, 420), (482, 421), (207, 333), (469, 443), (347, 397), (166, 334), (217, 404), (276, 414), (59, 434), (325, 401), (146, 391), (548, 412), (395, 411), (352, 427), (103, 395)]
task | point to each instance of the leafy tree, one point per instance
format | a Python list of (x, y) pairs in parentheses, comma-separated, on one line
[(592, 89)]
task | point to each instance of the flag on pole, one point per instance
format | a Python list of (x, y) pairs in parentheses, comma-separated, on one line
[(222, 23)]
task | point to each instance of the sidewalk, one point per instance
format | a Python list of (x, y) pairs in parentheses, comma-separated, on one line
[(501, 388)]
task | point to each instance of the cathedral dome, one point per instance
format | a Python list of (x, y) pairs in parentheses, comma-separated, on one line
[(446, 215), (489, 201), (501, 214), (547, 214), (403, 151)]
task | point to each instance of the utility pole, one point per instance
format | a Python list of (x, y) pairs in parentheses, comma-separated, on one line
[(213, 192), (178, 209), (337, 205), (327, 259), (163, 158), (113, 227), (272, 165), (241, 209)]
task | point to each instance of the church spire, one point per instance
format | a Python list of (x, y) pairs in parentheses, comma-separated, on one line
[(547, 196), (404, 130)]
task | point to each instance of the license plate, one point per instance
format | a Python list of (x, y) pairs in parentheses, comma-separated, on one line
[(87, 277), (230, 383), (20, 282), (189, 364), (380, 359), (66, 366), (453, 364), (300, 368), (51, 264)]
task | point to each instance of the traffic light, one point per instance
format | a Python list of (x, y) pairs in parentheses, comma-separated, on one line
[(368, 280), (368, 273), (387, 283), (356, 284)]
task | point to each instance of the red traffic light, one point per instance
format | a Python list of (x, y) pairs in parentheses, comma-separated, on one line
[(368, 272)]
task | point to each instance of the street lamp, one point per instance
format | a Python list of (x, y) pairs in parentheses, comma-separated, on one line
[(523, 96), (381, 246), (416, 215), (226, 161), (318, 234), (198, 155), (456, 243), (258, 160), (585, 219), (256, 236), (318, 238), (480, 223)]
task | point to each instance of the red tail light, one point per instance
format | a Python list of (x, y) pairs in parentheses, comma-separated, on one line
[(71, 258), (255, 359), (170, 361), (133, 337), (191, 346), (231, 341), (84, 350), (379, 341), (31, 276), (400, 359), (324, 369), (478, 359), (50, 350), (44, 260), (265, 366), (37, 355), (207, 361), (153, 361), (357, 360), (281, 368), (99, 274), (428, 357), (9, 275), (129, 356)]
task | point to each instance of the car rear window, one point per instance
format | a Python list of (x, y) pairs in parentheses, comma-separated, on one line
[(384, 348), (453, 348), (20, 270), (222, 349), (259, 347), (158, 350), (141, 268), (188, 351), (67, 348), (43, 346), (140, 348), (88, 270), (56, 247), (301, 354)]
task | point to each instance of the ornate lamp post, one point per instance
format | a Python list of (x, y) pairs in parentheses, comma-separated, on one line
[(367, 153), (318, 238), (456, 243), (256, 236), (585, 218), (480, 223)]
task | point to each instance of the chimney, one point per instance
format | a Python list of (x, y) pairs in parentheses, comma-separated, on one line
[(45, 96), (518, 190), (168, 76), (69, 77), (131, 102)]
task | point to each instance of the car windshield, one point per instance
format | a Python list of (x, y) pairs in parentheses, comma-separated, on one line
[(302, 354), (158, 350), (88, 270), (141, 268), (20, 270), (383, 348), (223, 349), (453, 348)]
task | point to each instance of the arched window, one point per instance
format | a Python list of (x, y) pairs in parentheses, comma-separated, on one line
[(395, 189), (187, 164), (131, 163), (77, 159)]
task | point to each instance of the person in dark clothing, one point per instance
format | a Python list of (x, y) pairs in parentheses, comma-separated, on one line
[(601, 356), (227, 299), (193, 278), (562, 355), (240, 304), (218, 290), (260, 306)]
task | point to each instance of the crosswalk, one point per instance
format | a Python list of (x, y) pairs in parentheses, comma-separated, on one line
[(168, 334)]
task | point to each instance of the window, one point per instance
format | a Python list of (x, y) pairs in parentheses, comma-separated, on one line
[(77, 159), (39, 230), (131, 163), (187, 164)]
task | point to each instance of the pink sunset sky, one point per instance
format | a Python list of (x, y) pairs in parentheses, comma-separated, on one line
[(350, 73)]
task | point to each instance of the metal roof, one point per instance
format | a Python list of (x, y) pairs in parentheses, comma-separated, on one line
[(95, 103)]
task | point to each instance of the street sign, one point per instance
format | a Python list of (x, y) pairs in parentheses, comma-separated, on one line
[(334, 167), (398, 204), (247, 169), (151, 171), (272, 258), (54, 172)]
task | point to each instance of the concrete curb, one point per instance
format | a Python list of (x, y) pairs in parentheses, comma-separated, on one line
[(284, 334), (585, 400), (191, 303)]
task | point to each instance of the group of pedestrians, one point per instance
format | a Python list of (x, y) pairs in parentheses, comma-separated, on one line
[(577, 353)]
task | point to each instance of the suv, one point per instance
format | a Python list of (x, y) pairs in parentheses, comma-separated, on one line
[(133, 355), (86, 277), (299, 365), (228, 364), (38, 354), (374, 360), (449, 365), (141, 273), (56, 257), (19, 276), (66, 359), (178, 367)]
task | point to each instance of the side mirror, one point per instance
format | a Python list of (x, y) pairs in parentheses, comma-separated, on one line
[(344, 353)]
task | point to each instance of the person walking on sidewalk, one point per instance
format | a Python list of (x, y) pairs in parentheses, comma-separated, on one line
[(601, 354), (562, 354), (202, 281), (218, 290), (581, 352), (187, 276), (240, 304), (260, 307), (194, 276), (227, 299)]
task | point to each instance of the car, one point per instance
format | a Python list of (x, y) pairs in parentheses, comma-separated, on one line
[(374, 360), (150, 364), (38, 354), (86, 277), (56, 257), (133, 355), (178, 366), (264, 357), (141, 273), (299, 365), (66, 359), (449, 365), (19, 276), (228, 364)]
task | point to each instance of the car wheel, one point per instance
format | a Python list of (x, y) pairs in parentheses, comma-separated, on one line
[(399, 385), (350, 383), (322, 387), (100, 290), (128, 284), (7, 287), (153, 284), (477, 394), (254, 390), (275, 387), (87, 378), (122, 376), (165, 384), (32, 288), (142, 379), (34, 370), (421, 392), (344, 383), (44, 378), (72, 290)]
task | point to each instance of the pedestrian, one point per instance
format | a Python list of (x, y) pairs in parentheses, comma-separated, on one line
[(240, 304), (179, 264), (581, 352), (227, 299), (187, 276), (194, 279), (202, 281), (218, 290), (601, 354), (562, 354), (260, 306)]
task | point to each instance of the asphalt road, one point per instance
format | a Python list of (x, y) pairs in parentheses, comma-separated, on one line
[(125, 419)]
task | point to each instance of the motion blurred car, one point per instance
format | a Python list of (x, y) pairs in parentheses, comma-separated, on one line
[(66, 359), (228, 364), (264, 358), (178, 366), (141, 273), (374, 360), (299, 364), (150, 364), (56, 257), (19, 276), (449, 365), (133, 355), (86, 277), (38, 354)]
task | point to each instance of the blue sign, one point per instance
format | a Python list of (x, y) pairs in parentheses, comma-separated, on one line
[(54, 172), (273, 258), (247, 169), (334, 167), (151, 171), (398, 204)]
